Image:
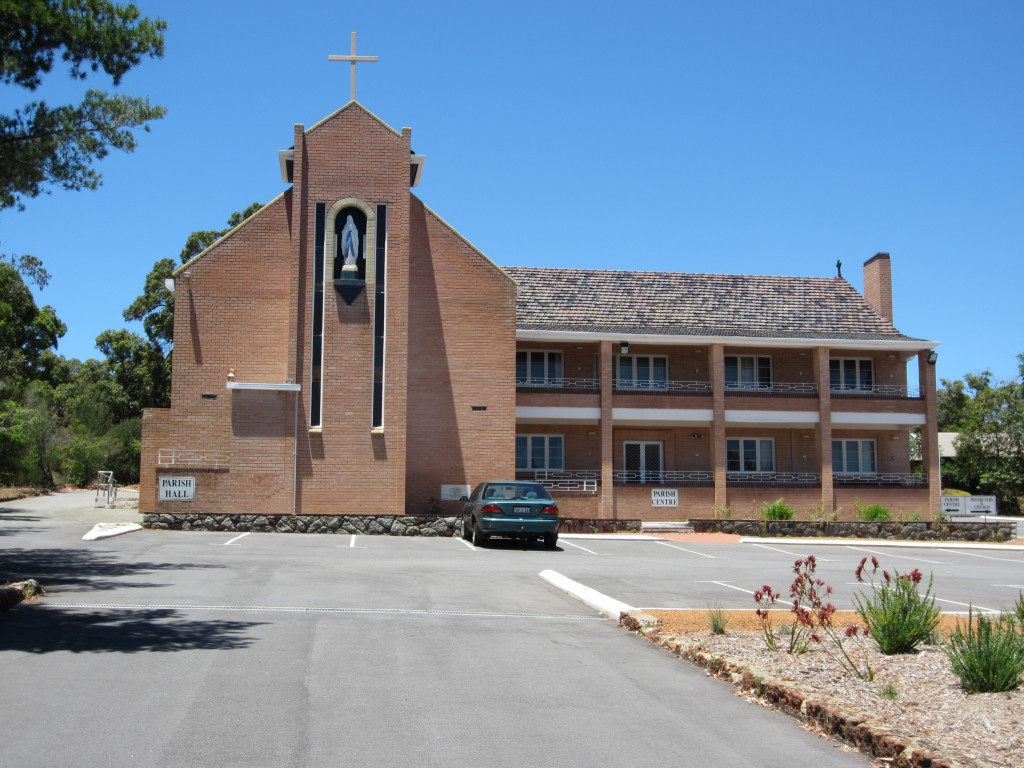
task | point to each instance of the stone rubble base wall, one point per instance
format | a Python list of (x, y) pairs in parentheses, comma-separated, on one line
[(383, 525), (913, 531)]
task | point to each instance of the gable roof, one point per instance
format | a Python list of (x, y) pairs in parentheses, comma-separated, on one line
[(702, 305)]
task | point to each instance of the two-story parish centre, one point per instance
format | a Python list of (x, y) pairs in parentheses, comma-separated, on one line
[(345, 351)]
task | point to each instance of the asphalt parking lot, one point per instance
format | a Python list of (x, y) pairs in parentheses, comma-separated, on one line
[(186, 648)]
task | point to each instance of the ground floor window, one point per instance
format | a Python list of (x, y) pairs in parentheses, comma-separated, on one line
[(749, 454), (643, 462), (854, 456), (546, 452)]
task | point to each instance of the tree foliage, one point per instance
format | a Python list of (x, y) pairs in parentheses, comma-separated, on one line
[(26, 332), (990, 445), (43, 145)]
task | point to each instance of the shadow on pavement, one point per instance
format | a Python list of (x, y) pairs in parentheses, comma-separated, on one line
[(76, 570), (38, 628)]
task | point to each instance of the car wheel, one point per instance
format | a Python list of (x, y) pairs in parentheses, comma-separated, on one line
[(479, 537), (466, 531), (550, 539)]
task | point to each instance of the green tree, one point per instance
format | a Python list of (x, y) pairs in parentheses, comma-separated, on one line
[(139, 368), (43, 145), (990, 444), (26, 332)]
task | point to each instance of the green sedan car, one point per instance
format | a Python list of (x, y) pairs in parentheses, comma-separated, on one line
[(510, 508)]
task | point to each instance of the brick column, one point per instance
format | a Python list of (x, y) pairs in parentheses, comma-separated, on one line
[(606, 507), (718, 465), (930, 431), (821, 371)]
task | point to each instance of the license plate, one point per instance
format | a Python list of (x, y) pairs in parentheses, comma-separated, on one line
[(521, 510)]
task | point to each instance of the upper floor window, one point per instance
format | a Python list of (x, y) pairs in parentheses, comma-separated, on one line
[(546, 452), (849, 456), (749, 454), (539, 368), (641, 372), (748, 372), (851, 375)]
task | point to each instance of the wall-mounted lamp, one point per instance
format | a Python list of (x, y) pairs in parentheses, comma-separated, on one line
[(805, 437), (231, 374), (895, 437), (696, 435), (623, 347), (932, 357)]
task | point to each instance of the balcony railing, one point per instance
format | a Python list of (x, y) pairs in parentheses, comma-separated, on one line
[(881, 391), (577, 385), (773, 478), (796, 388), (664, 387), (666, 477), (889, 479), (585, 480)]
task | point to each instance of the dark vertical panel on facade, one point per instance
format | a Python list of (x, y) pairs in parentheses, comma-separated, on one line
[(316, 386), (380, 266)]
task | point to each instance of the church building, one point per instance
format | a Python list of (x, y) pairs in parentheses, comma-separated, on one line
[(344, 351)]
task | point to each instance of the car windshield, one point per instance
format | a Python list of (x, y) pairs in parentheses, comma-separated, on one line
[(516, 492)]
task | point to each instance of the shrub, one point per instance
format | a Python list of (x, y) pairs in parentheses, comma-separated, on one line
[(873, 513), (717, 620), (987, 655), (777, 510), (897, 615)]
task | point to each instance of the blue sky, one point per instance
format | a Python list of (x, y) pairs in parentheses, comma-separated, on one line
[(734, 137)]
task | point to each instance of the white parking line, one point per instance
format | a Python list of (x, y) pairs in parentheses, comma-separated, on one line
[(242, 536), (1011, 586), (684, 549), (787, 552), (726, 584), (584, 549), (463, 541), (986, 557), (898, 557), (936, 599)]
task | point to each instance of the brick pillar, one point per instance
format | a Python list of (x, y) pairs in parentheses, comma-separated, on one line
[(930, 431), (606, 507), (718, 465), (821, 372)]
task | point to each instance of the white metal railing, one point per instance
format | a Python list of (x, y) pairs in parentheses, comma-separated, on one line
[(192, 457), (585, 480), (774, 478), (665, 477), (561, 383), (879, 478), (878, 390), (773, 388), (698, 387)]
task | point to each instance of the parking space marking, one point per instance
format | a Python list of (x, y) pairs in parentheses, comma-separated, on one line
[(1011, 586), (787, 552), (598, 554), (684, 549), (937, 599), (351, 544), (986, 557), (463, 541), (898, 557), (236, 538), (726, 584)]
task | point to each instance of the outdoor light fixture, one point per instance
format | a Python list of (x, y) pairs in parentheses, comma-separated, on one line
[(932, 357), (623, 347)]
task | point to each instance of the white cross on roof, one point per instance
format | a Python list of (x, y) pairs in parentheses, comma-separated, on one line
[(353, 59)]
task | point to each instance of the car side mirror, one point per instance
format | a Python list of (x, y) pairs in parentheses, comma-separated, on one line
[(464, 498)]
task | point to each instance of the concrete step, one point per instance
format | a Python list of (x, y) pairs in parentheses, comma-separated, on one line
[(666, 527)]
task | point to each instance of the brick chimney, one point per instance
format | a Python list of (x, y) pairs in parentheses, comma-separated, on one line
[(878, 284)]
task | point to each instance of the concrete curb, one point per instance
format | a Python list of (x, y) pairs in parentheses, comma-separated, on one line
[(881, 543), (601, 603), (611, 536), (106, 530)]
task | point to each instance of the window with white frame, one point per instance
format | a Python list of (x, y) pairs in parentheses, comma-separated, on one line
[(750, 454), (643, 461), (748, 372), (641, 372), (538, 368), (851, 375), (854, 456), (540, 452)]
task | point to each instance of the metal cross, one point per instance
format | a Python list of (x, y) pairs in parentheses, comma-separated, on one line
[(352, 58)]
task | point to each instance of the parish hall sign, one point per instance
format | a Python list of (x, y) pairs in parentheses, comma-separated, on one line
[(176, 488)]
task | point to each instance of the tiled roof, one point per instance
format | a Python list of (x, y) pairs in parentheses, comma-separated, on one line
[(683, 304)]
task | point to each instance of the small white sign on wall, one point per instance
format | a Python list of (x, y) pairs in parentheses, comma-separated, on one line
[(454, 492), (175, 488), (664, 497), (954, 505)]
